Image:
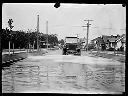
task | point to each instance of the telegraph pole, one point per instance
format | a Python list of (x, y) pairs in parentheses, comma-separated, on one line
[(28, 40), (37, 33), (47, 32), (87, 30)]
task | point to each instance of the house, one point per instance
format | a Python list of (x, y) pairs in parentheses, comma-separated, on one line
[(98, 43), (110, 41), (121, 42), (115, 42), (83, 42)]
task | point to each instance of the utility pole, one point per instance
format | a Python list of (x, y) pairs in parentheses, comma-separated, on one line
[(33, 45), (29, 49), (47, 32), (37, 33), (9, 47), (87, 31), (13, 48)]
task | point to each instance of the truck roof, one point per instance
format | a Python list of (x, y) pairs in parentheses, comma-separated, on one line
[(70, 37), (71, 43)]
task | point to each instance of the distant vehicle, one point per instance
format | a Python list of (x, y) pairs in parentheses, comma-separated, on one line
[(71, 46), (56, 47)]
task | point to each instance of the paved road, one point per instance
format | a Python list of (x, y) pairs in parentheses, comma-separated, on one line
[(58, 73)]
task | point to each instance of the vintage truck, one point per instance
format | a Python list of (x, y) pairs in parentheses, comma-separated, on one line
[(71, 46)]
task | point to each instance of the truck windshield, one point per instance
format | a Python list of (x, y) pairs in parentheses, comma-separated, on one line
[(71, 46)]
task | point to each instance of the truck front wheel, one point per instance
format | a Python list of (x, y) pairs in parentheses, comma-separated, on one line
[(64, 52)]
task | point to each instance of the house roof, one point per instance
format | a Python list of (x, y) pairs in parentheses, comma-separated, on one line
[(98, 39), (70, 37), (122, 38), (105, 38), (113, 39), (110, 38)]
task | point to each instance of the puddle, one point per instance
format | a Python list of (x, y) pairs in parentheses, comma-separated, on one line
[(25, 75)]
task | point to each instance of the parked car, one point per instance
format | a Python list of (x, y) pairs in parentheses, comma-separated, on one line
[(56, 47)]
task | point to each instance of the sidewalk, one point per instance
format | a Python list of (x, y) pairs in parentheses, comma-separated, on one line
[(21, 51), (20, 55), (3, 53)]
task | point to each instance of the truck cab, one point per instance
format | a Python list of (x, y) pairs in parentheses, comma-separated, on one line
[(71, 46)]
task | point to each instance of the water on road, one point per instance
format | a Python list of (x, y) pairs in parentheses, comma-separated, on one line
[(57, 73)]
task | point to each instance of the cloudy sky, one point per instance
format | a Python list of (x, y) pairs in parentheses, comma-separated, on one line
[(67, 19)]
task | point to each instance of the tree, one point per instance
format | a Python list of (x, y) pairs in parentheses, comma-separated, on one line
[(10, 21), (61, 42), (5, 38), (52, 39)]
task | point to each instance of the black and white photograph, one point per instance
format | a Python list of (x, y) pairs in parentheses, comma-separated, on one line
[(63, 48)]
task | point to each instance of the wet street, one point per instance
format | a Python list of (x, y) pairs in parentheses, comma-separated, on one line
[(54, 72)]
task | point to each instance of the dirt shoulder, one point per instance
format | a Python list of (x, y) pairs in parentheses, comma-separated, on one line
[(120, 58)]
